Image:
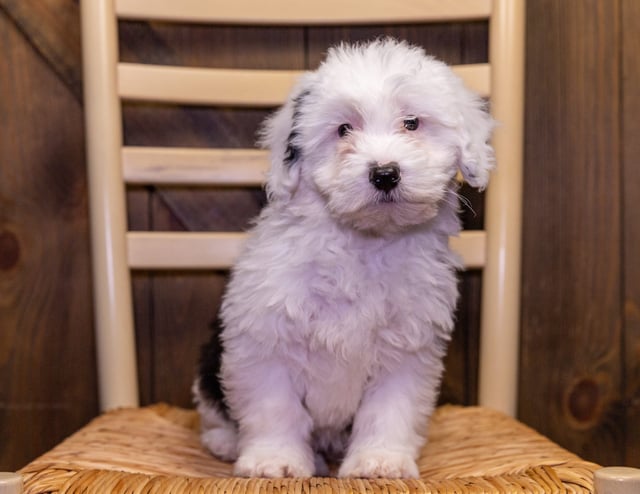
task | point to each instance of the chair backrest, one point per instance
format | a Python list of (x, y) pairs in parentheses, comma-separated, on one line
[(111, 166)]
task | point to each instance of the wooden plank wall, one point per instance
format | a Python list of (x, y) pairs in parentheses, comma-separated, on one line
[(580, 376), (572, 366), (630, 155), (47, 376)]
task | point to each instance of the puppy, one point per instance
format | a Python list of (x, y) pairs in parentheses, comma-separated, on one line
[(339, 310)]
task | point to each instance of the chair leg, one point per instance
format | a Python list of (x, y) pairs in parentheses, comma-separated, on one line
[(617, 480), (10, 483)]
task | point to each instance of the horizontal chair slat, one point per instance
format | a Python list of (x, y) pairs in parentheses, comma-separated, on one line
[(235, 87), (230, 167), (183, 250), (188, 85), (297, 12), (207, 250)]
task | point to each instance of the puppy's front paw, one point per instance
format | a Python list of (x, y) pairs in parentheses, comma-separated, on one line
[(378, 463), (273, 463)]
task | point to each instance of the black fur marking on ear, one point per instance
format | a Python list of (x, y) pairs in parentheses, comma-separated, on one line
[(209, 369), (292, 153)]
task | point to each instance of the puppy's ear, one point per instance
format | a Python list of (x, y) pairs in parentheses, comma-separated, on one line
[(476, 158), (281, 135)]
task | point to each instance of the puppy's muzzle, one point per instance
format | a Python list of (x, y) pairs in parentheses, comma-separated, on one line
[(385, 177)]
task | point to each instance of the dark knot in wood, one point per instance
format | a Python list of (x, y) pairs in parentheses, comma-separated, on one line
[(584, 401), (9, 250)]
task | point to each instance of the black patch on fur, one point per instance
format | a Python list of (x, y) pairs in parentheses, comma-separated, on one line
[(292, 153), (209, 369)]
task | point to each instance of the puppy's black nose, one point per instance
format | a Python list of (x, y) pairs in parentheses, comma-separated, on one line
[(385, 177)]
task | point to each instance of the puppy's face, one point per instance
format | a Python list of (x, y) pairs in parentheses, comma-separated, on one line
[(382, 162), (379, 130)]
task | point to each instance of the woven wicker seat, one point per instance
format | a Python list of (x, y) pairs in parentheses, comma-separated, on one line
[(156, 449)]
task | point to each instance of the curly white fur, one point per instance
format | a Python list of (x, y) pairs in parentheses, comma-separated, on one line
[(339, 310)]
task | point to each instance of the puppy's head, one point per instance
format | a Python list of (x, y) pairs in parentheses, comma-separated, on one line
[(379, 131)]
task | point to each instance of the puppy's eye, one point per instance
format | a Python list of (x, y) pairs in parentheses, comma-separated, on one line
[(411, 123), (344, 129)]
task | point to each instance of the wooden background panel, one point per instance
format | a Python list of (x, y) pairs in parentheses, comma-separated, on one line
[(571, 324), (453, 43), (52, 29), (441, 40), (212, 46), (46, 337), (631, 223), (138, 199)]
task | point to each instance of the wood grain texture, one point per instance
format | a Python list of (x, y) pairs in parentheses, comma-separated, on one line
[(53, 29), (571, 321), (46, 338), (631, 224), (138, 218), (182, 308)]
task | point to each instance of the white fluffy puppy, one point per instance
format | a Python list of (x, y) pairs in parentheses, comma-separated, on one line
[(339, 310)]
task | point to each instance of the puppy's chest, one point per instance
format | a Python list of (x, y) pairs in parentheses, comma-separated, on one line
[(345, 288), (352, 304)]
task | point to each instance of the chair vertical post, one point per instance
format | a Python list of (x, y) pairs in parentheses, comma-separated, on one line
[(500, 319), (115, 338)]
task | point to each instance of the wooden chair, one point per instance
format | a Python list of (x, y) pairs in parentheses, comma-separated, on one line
[(156, 449)]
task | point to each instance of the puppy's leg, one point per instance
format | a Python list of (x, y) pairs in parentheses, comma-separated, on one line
[(218, 431), (390, 426), (275, 428)]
